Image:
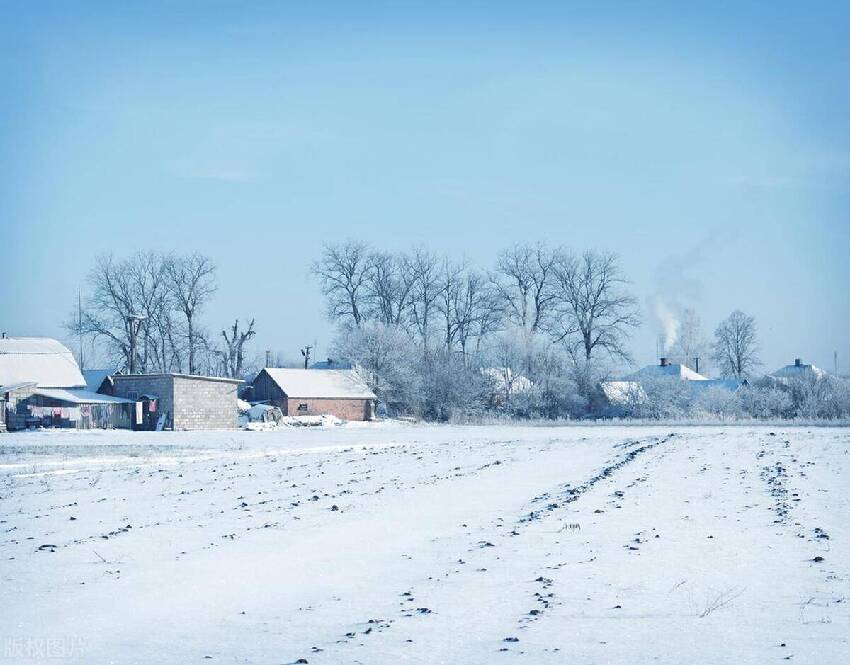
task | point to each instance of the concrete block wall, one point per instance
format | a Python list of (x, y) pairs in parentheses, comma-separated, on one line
[(132, 386), (204, 403)]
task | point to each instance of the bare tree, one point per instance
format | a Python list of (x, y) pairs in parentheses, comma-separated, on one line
[(424, 267), (233, 354), (595, 314), (342, 271), (690, 341), (450, 285), (523, 280), (120, 290), (735, 348), (476, 312), (389, 287), (191, 281)]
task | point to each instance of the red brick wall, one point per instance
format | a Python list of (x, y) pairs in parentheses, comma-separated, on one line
[(346, 409)]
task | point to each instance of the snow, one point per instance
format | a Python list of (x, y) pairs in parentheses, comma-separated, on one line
[(623, 392), (325, 383), (387, 543), (38, 359), (674, 370)]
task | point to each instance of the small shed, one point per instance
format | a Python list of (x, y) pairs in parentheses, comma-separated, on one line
[(179, 401), (311, 392), (77, 408)]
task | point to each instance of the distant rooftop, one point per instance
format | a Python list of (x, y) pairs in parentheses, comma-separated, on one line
[(331, 363), (326, 383), (799, 368), (666, 369)]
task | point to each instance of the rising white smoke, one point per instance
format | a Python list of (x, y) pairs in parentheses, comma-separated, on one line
[(669, 321)]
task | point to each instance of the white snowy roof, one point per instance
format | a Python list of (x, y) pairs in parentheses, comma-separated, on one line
[(623, 392), (41, 360), (321, 383), (801, 369), (672, 370), (505, 378), (78, 396)]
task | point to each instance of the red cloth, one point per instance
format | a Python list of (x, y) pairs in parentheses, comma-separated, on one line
[(152, 406)]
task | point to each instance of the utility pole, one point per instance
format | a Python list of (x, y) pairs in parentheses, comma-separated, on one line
[(134, 323), (306, 353), (835, 361), (80, 327)]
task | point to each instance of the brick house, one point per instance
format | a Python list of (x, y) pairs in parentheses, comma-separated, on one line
[(315, 392), (179, 401)]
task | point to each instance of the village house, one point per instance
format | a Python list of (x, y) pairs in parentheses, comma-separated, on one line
[(177, 401), (41, 386), (631, 389), (799, 370), (312, 392)]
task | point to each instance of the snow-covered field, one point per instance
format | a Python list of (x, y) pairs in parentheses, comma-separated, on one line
[(427, 544)]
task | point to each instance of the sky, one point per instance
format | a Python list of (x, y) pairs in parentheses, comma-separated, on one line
[(708, 146)]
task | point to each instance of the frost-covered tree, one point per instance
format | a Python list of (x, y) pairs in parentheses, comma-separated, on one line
[(388, 359), (735, 351), (690, 341)]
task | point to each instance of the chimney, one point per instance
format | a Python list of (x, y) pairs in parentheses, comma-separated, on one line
[(696, 364), (664, 362), (797, 362)]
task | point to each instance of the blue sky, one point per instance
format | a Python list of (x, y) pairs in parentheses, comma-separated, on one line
[(709, 147)]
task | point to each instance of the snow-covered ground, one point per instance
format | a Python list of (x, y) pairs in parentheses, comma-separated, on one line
[(427, 544)]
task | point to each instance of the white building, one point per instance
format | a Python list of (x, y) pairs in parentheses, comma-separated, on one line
[(41, 385)]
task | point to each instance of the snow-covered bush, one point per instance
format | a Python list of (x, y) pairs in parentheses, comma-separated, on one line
[(717, 402), (665, 398), (761, 400)]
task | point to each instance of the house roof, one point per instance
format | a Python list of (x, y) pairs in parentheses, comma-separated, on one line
[(727, 384), (802, 369), (41, 360), (95, 378), (331, 363), (196, 377), (622, 392), (672, 370), (325, 383), (79, 396)]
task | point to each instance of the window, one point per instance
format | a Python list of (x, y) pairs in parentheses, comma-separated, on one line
[(302, 407), (132, 394)]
